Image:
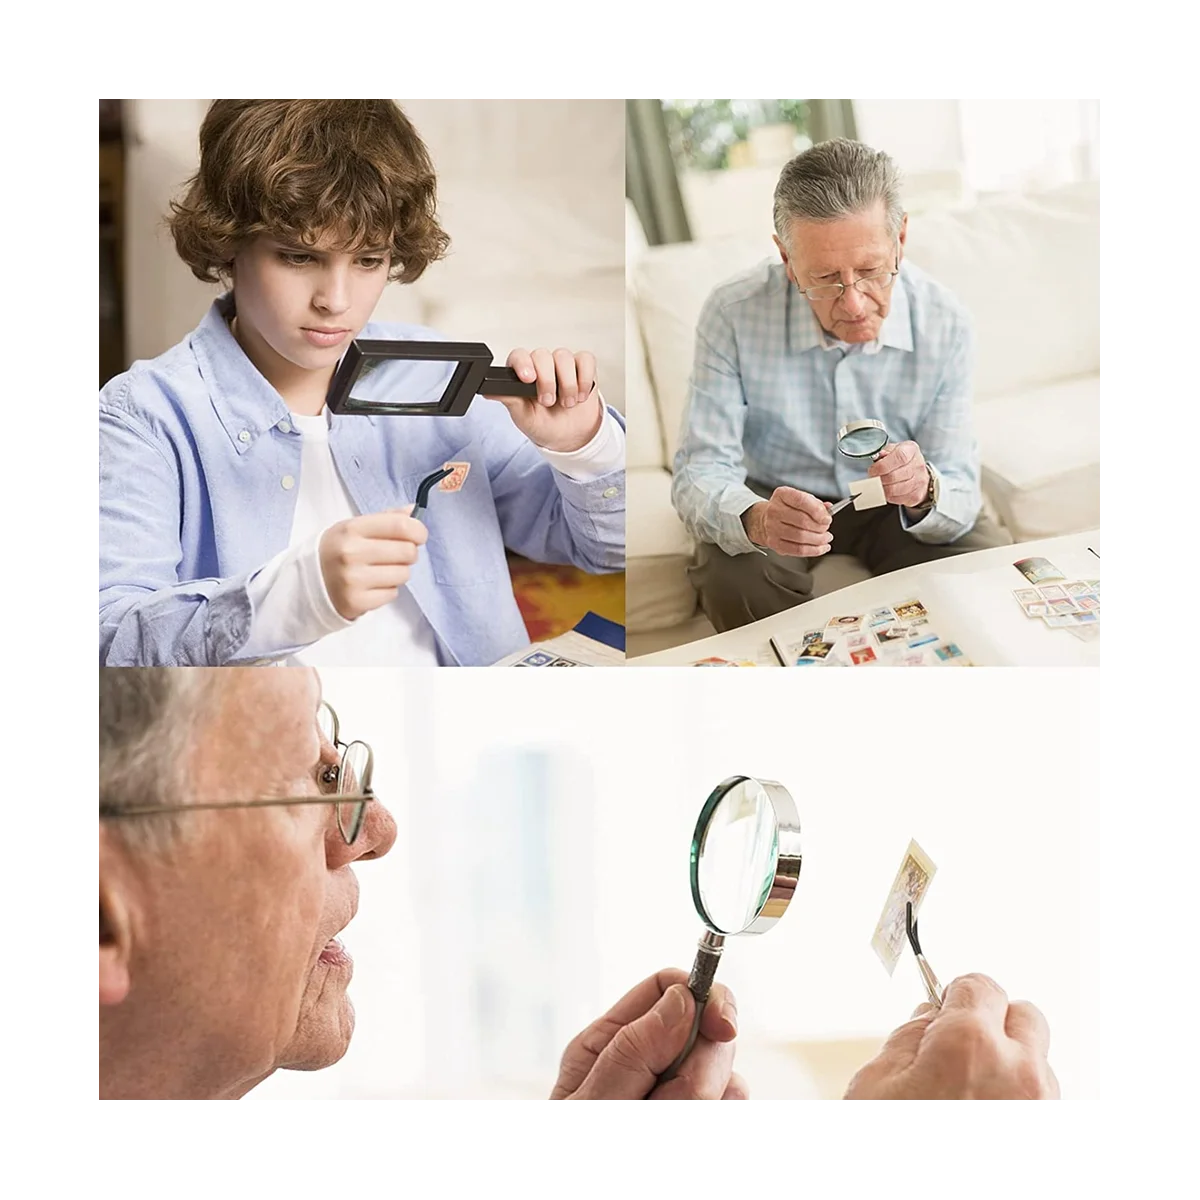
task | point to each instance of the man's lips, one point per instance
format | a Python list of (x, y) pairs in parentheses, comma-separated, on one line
[(335, 954)]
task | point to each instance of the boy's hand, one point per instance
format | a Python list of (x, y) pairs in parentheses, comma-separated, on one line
[(567, 412), (365, 561)]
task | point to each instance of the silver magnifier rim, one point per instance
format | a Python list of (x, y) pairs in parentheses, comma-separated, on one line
[(854, 427), (787, 854)]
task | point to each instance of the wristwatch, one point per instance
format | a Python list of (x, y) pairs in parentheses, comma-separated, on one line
[(935, 489)]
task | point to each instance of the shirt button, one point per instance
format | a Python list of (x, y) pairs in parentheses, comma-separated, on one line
[(609, 493), (244, 436), (284, 426), (288, 483)]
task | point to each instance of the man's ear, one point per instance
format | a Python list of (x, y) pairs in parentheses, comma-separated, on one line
[(902, 235), (116, 935), (783, 254)]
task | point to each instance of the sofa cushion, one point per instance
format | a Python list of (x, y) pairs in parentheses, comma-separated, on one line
[(652, 526), (644, 440), (1027, 268), (1041, 458), (672, 283), (657, 552)]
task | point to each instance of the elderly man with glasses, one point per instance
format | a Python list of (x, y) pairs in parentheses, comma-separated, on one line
[(841, 329), (232, 813)]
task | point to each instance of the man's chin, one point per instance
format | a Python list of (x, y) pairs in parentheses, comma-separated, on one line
[(323, 1032)]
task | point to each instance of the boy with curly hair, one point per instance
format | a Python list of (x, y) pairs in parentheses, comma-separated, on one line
[(241, 521)]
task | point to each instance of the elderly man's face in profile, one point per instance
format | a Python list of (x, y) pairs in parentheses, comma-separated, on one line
[(219, 959), (842, 251)]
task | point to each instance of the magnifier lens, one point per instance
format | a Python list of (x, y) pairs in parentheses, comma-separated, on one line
[(862, 443), (736, 858), (401, 381)]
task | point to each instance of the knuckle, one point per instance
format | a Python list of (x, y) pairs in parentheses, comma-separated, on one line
[(1029, 1079)]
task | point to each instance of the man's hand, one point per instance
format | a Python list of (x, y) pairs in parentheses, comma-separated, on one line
[(365, 561), (905, 477), (620, 1056), (791, 522), (567, 412), (978, 1046)]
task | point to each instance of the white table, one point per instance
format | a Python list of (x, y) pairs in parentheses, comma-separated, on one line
[(989, 626)]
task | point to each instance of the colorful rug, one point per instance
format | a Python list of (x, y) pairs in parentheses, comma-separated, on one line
[(553, 598)]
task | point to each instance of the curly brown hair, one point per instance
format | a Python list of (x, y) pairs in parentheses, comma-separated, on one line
[(355, 170)]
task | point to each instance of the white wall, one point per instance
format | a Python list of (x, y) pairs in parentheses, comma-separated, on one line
[(922, 135), (989, 795), (531, 193)]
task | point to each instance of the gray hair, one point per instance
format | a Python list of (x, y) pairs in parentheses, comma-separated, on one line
[(836, 179), (149, 717)]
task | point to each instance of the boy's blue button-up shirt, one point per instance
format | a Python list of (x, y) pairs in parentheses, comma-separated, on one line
[(199, 466)]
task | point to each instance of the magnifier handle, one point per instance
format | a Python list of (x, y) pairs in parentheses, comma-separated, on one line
[(504, 381), (700, 981)]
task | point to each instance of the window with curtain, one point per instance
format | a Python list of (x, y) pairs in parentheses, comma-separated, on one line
[(703, 169)]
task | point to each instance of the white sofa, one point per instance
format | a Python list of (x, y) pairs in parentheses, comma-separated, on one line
[(1027, 268)]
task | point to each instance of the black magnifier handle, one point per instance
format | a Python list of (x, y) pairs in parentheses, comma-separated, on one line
[(700, 981), (504, 381)]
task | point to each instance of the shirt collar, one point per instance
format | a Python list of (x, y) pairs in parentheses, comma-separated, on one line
[(245, 403), (896, 331)]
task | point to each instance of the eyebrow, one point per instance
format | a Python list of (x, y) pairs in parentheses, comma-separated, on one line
[(299, 248), (858, 270)]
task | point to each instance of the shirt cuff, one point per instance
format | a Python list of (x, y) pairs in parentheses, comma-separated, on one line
[(603, 454), (291, 608), (735, 539)]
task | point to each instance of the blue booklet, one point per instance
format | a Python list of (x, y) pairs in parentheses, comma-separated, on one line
[(601, 629)]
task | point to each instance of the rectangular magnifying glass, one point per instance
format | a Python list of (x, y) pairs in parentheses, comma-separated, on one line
[(419, 379)]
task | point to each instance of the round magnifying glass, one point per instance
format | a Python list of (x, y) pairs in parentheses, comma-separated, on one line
[(862, 439), (745, 862)]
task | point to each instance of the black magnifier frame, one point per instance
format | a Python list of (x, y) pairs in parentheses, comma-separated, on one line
[(473, 374)]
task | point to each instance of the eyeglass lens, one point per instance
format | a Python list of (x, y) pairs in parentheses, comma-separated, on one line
[(353, 777)]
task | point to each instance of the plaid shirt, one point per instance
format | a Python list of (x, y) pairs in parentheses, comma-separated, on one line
[(769, 391)]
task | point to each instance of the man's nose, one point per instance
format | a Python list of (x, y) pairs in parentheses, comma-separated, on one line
[(333, 291), (853, 302), (378, 834)]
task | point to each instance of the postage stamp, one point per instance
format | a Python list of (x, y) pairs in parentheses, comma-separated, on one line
[(911, 883), (457, 477)]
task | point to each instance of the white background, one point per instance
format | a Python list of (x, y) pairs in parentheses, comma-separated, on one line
[(993, 799)]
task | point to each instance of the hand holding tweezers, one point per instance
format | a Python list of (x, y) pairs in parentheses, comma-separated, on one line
[(933, 989)]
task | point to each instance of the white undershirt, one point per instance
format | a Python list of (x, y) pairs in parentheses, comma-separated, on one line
[(290, 604)]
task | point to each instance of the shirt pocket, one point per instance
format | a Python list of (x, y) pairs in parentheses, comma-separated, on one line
[(465, 546)]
